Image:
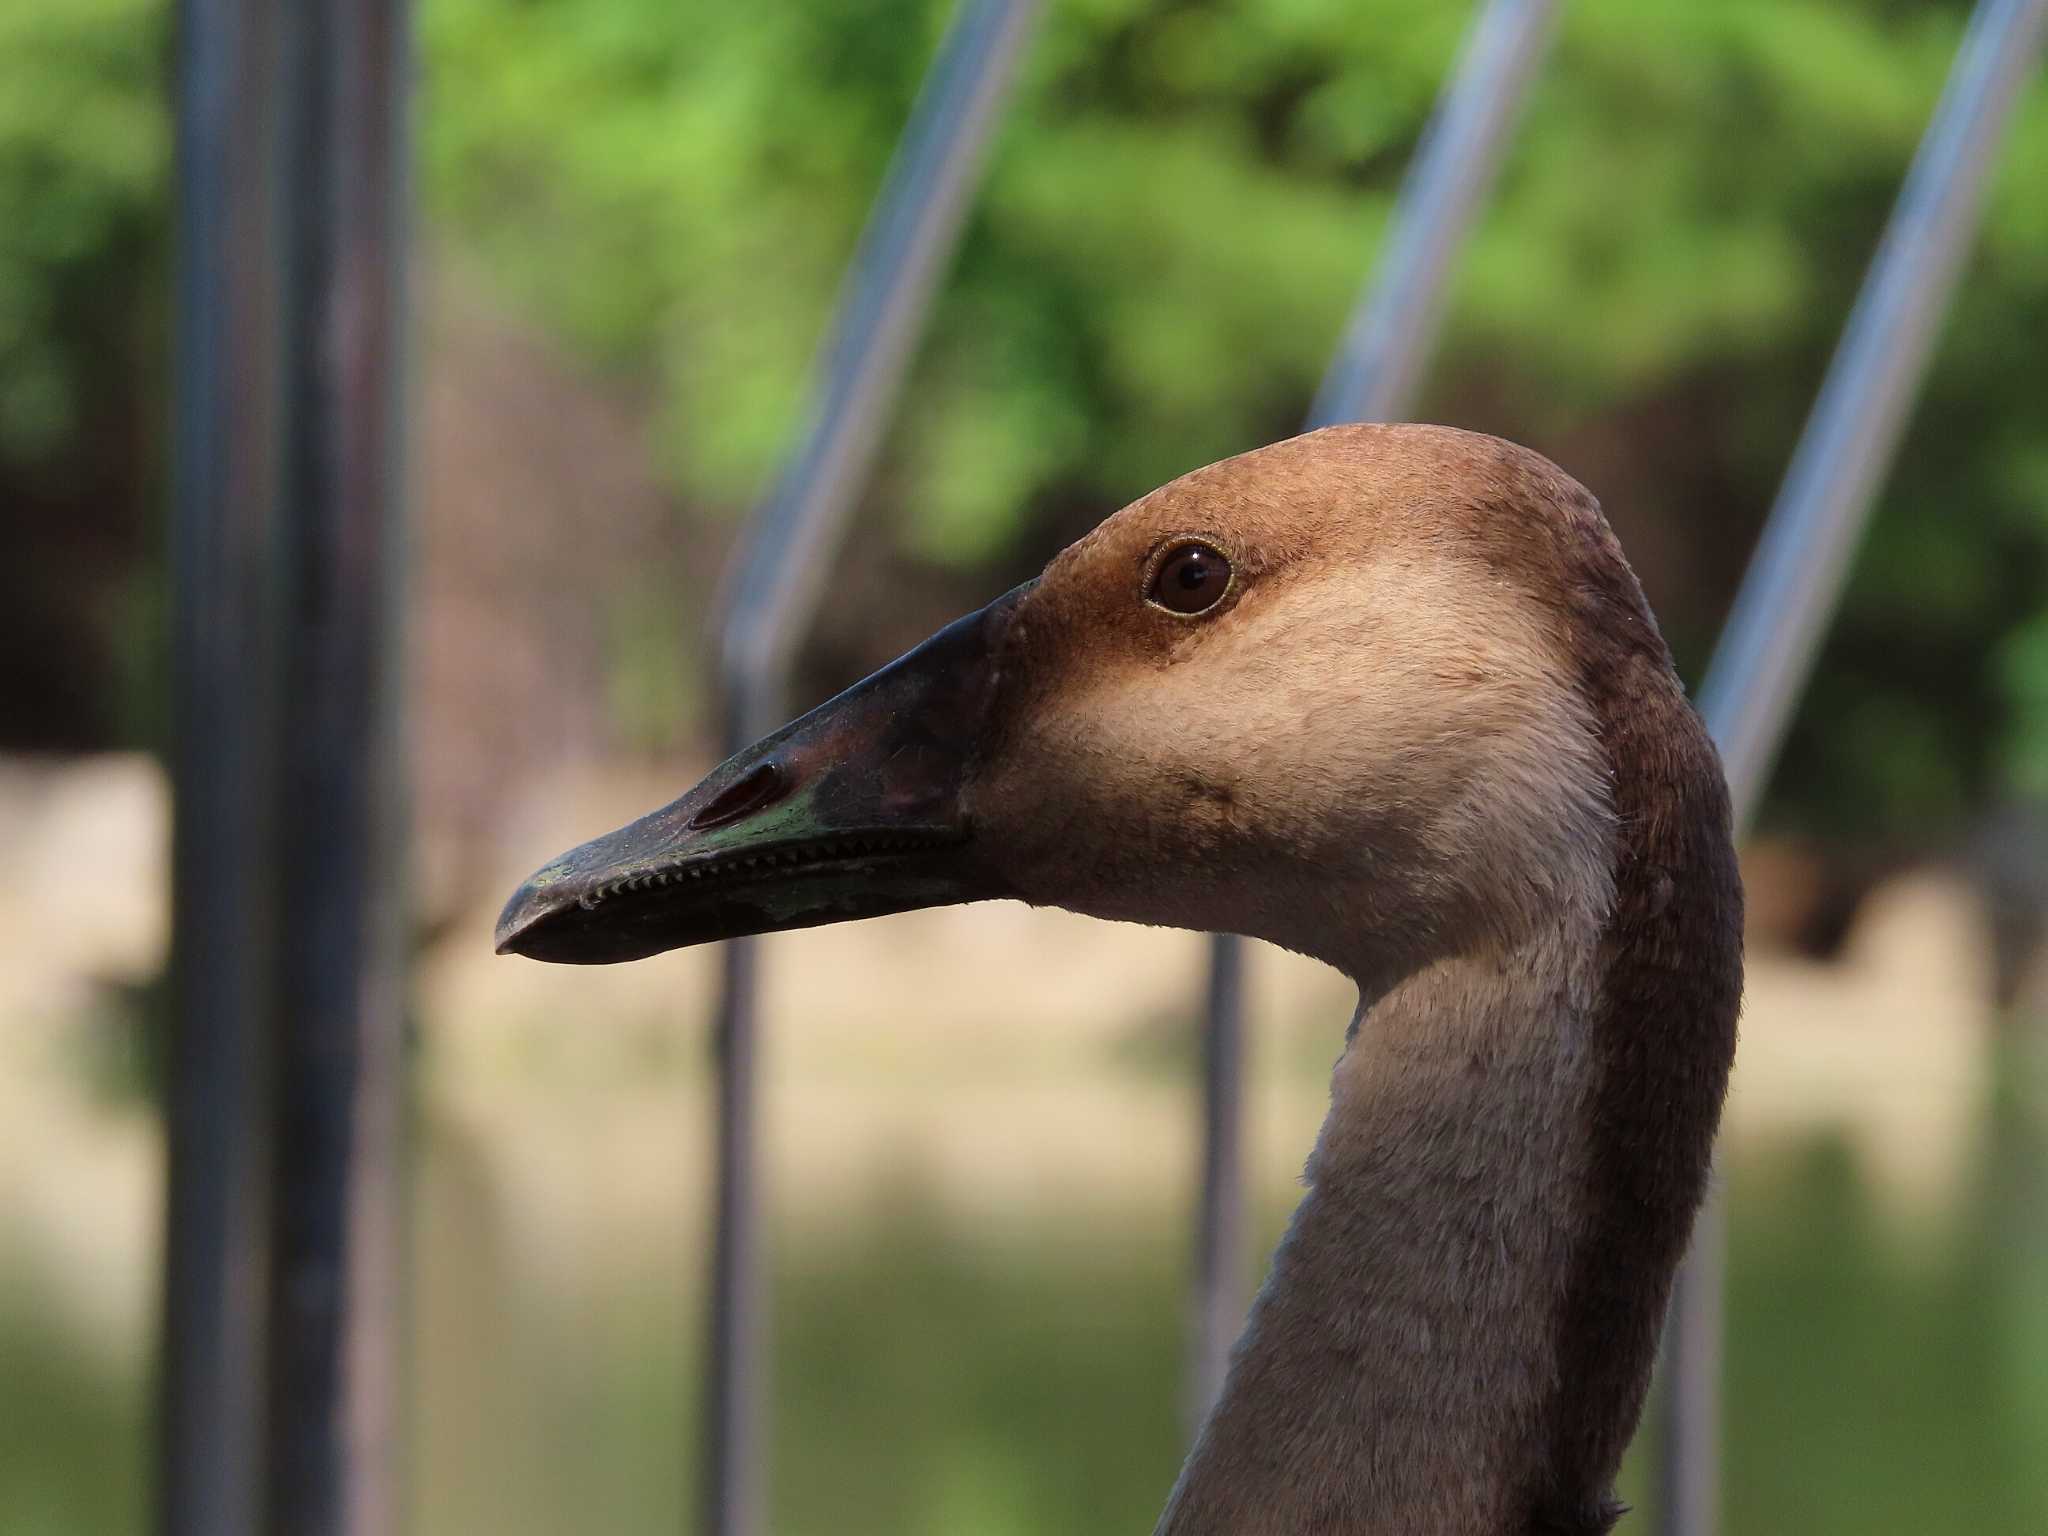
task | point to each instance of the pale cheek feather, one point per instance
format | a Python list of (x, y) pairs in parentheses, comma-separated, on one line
[(1363, 722)]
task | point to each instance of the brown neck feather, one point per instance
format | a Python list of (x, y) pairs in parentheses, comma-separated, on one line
[(1664, 1031)]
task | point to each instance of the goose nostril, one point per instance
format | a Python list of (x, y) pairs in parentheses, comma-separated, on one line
[(760, 786)]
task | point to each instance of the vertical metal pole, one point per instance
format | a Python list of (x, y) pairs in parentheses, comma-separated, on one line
[(1372, 378), (341, 967), (1219, 1232), (224, 467), (1795, 580), (734, 1386), (788, 549)]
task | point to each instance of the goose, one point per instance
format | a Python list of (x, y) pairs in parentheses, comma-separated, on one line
[(1389, 696)]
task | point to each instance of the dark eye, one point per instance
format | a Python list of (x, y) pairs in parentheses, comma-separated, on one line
[(1191, 579)]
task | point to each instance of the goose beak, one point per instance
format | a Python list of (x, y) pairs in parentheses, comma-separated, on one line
[(853, 811)]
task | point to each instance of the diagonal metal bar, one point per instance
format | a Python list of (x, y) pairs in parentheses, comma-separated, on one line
[(1795, 580), (1386, 345), (770, 602), (224, 699), (1372, 378)]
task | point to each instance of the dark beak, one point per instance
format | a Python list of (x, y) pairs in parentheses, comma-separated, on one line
[(853, 811)]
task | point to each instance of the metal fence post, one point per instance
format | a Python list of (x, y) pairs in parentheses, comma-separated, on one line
[(772, 598), (1372, 378), (224, 698), (1795, 580), (339, 1004)]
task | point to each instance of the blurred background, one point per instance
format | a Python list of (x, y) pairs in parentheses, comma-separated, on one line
[(981, 1124)]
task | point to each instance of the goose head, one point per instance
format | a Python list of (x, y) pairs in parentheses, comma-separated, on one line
[(1389, 696), (1324, 694)]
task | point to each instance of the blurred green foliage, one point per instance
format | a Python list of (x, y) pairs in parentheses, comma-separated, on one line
[(85, 144), (1179, 210), (84, 156), (1180, 207)]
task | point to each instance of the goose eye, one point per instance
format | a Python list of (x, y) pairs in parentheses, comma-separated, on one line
[(1191, 579)]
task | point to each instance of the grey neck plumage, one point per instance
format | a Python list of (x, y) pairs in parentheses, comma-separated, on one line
[(1399, 1370)]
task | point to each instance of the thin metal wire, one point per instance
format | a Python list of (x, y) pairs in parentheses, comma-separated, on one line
[(338, 1011), (224, 701), (1372, 378), (770, 603), (1795, 580)]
